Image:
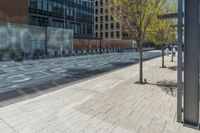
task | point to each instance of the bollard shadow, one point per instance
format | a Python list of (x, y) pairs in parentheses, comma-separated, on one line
[(173, 68)]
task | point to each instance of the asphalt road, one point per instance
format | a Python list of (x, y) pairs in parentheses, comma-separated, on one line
[(35, 73)]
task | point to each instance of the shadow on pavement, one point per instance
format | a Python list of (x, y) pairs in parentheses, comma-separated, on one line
[(73, 75), (170, 87)]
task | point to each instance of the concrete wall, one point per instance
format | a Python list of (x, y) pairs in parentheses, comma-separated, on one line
[(29, 41)]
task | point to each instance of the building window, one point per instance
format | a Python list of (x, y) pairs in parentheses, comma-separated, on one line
[(117, 34), (101, 26), (96, 19), (106, 17), (45, 5), (106, 26), (111, 25), (96, 11), (49, 6), (111, 18), (101, 34), (101, 19), (106, 11), (101, 2), (101, 10), (106, 35), (39, 4), (96, 26), (117, 25), (97, 34), (112, 34), (33, 4), (96, 3)]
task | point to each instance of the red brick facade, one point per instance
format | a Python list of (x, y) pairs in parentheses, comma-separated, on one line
[(14, 11)]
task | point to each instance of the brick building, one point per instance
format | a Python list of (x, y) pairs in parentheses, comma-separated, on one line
[(14, 11)]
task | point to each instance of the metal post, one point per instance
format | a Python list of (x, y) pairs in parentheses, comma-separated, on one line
[(101, 23), (191, 74), (64, 17), (179, 72), (46, 40), (64, 13)]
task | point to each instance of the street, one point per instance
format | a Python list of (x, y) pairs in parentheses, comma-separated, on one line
[(34, 73)]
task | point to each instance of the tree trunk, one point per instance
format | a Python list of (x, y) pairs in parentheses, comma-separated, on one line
[(163, 57), (141, 66)]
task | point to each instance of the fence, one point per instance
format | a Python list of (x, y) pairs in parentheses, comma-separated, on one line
[(25, 41), (89, 45)]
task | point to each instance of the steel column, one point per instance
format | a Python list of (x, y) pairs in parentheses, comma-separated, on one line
[(179, 72), (191, 74)]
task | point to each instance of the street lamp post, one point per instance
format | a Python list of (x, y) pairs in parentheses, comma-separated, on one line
[(101, 24), (64, 17)]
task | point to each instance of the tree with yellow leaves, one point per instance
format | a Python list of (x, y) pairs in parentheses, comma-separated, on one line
[(163, 32), (136, 16)]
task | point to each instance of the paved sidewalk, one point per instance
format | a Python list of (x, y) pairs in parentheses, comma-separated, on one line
[(110, 103)]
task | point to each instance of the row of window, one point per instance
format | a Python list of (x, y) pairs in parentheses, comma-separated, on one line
[(106, 26), (77, 27), (104, 18), (56, 8), (99, 3), (101, 11), (108, 34)]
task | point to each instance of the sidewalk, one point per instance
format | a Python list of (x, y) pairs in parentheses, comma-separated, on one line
[(110, 103)]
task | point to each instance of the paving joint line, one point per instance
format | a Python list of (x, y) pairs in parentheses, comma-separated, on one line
[(9, 125)]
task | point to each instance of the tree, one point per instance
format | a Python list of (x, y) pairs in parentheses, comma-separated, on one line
[(135, 16), (162, 32)]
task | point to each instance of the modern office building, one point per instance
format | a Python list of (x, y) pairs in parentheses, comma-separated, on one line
[(70, 14), (104, 25)]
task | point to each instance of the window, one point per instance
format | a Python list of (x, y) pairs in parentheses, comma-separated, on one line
[(96, 19), (112, 34), (101, 10), (96, 34), (39, 4), (111, 18), (117, 25), (33, 4), (112, 26), (49, 6), (101, 26), (106, 35), (117, 34), (96, 3), (101, 18), (106, 26), (101, 34), (45, 5), (101, 2), (106, 11), (96, 26), (106, 17), (96, 11)]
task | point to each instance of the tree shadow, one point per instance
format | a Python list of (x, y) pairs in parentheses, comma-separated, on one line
[(170, 87)]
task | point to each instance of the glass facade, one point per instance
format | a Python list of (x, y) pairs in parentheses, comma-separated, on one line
[(71, 14)]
